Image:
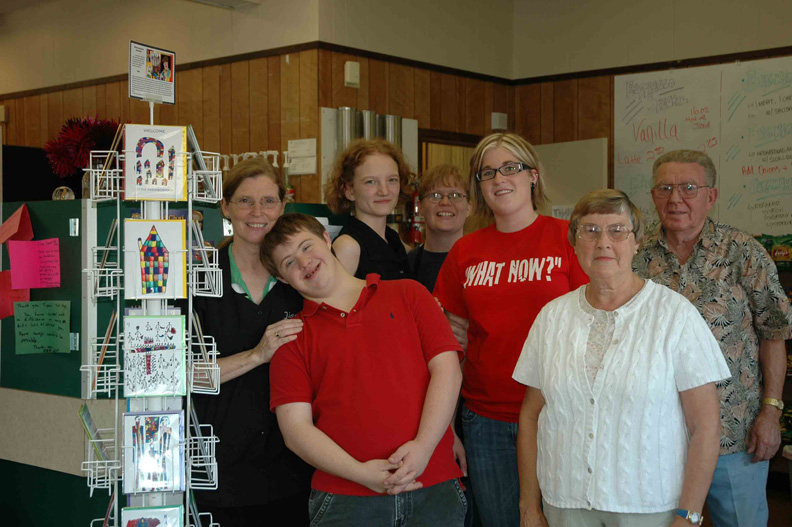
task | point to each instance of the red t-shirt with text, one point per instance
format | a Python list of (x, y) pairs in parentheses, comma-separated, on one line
[(499, 282)]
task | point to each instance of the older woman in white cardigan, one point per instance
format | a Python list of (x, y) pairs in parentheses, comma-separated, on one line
[(620, 422)]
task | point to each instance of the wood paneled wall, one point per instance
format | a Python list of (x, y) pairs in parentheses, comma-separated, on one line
[(260, 104)]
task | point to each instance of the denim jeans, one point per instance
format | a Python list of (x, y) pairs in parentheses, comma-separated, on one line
[(491, 448), (738, 494), (440, 505), (593, 518)]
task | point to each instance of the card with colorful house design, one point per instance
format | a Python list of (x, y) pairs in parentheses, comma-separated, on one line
[(167, 516), (154, 356), (154, 259), (155, 166)]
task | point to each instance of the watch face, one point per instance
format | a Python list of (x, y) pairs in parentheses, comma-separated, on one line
[(694, 517)]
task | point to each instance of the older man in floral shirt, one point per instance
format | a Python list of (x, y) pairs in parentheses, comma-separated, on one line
[(734, 284)]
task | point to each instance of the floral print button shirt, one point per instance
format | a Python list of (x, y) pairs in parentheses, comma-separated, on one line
[(734, 284)]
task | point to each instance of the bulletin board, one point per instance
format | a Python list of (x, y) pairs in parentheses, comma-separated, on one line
[(53, 373)]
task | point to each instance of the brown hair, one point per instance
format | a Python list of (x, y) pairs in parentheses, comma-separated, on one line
[(447, 174), (249, 168), (606, 201), (519, 148), (287, 226), (344, 170)]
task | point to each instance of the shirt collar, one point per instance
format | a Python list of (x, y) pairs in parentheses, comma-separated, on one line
[(372, 283), (706, 237)]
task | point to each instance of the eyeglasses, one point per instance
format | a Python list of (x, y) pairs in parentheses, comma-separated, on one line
[(249, 203), (686, 190), (437, 197), (507, 169), (616, 232)]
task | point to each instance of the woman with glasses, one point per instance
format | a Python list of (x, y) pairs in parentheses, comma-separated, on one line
[(258, 477), (445, 206), (367, 179), (492, 285), (619, 372)]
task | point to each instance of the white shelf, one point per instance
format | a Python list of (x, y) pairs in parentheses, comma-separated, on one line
[(103, 371), (204, 370), (101, 473), (201, 459)]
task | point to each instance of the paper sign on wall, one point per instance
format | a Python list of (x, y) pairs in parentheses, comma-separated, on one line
[(42, 327), (34, 264), (17, 226), (8, 296)]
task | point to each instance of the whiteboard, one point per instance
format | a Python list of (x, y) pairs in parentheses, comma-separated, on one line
[(740, 114)]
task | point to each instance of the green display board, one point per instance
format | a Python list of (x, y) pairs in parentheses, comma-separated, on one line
[(53, 373)]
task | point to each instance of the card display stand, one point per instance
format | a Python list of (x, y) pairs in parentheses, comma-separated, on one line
[(106, 277)]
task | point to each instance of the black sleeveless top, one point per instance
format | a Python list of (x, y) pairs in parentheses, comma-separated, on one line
[(386, 258)]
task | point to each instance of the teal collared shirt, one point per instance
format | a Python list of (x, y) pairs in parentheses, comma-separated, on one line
[(238, 283)]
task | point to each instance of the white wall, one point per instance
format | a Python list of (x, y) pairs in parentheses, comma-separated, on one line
[(56, 42), (64, 41), (472, 35), (566, 36)]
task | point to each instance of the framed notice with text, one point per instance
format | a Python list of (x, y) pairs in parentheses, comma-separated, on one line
[(152, 74)]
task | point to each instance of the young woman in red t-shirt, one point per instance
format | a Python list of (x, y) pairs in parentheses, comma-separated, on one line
[(492, 285)]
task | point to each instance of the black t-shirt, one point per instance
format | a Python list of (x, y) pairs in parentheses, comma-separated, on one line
[(386, 258), (426, 265), (254, 465)]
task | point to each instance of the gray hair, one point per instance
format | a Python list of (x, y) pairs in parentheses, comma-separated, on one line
[(688, 156), (606, 201)]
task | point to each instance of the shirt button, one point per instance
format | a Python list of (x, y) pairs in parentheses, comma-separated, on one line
[(589, 471), (260, 313), (343, 315), (591, 436), (591, 401), (615, 341)]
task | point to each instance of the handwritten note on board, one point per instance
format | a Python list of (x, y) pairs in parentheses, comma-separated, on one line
[(17, 226), (34, 264), (42, 327), (8, 296)]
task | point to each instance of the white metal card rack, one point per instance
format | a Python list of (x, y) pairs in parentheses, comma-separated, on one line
[(104, 365)]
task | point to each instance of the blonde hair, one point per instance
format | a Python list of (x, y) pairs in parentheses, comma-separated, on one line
[(447, 174), (520, 149), (344, 170)]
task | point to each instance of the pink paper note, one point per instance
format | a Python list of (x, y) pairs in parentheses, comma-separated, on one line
[(17, 226), (8, 296), (34, 264)]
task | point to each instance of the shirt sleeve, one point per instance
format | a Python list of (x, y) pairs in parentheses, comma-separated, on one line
[(448, 287), (434, 330), (528, 368), (289, 378), (698, 359), (769, 305)]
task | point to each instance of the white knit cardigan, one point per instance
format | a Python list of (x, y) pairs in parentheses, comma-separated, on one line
[(621, 445)]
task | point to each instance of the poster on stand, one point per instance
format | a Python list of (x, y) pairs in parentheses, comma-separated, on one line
[(153, 451), (154, 163), (151, 73), (154, 259), (154, 356)]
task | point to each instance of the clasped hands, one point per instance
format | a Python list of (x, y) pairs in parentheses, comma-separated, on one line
[(399, 472)]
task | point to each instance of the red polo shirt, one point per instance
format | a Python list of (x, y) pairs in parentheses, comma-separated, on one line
[(365, 374)]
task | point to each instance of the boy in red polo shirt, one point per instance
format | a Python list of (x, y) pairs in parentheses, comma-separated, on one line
[(366, 392)]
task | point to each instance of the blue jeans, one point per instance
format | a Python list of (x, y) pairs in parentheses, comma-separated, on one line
[(439, 505), (491, 448), (738, 494)]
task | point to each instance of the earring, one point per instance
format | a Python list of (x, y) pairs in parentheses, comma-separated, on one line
[(533, 186)]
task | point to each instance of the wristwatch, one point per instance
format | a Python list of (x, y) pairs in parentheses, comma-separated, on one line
[(695, 518), (774, 402)]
